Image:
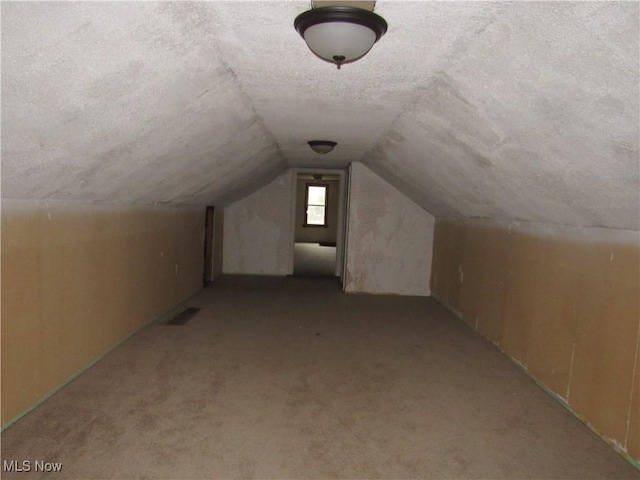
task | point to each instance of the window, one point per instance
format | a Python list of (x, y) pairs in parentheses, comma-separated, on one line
[(316, 205)]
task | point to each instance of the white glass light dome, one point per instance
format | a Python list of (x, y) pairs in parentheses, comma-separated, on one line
[(322, 146), (340, 34)]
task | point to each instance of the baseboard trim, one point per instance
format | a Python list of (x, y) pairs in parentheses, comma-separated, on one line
[(68, 380), (611, 442)]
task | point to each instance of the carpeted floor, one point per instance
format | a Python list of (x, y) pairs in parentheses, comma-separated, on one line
[(291, 378), (314, 260)]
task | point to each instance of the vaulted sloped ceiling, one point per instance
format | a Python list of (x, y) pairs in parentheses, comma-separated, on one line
[(502, 110)]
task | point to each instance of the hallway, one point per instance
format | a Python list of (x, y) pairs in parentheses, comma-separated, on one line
[(314, 260), (290, 378)]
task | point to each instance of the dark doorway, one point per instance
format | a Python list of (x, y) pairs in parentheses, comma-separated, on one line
[(314, 260), (214, 222)]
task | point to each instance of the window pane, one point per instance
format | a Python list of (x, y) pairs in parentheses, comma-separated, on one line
[(315, 215), (316, 195)]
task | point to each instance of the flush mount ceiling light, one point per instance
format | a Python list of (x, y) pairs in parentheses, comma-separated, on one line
[(340, 34), (322, 146)]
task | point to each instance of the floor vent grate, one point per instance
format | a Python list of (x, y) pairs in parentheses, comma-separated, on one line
[(184, 316)]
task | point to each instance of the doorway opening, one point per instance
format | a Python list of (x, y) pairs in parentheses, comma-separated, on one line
[(214, 224), (314, 260), (318, 224)]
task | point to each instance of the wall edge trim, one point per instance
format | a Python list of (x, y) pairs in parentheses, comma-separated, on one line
[(164, 314), (388, 294), (615, 445)]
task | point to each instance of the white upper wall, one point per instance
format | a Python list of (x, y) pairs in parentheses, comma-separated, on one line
[(390, 239), (258, 231), (506, 110)]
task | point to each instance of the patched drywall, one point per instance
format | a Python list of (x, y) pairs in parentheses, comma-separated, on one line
[(313, 234), (389, 244), (562, 302), (258, 231), (77, 279)]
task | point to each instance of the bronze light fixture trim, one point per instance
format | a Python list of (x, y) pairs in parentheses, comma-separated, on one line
[(322, 146), (340, 34)]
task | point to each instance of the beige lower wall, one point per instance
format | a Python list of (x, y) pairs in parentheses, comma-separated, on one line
[(76, 280), (563, 302)]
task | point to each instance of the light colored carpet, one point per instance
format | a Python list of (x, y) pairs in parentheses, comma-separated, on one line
[(291, 378)]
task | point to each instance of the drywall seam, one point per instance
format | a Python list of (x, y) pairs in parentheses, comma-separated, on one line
[(82, 370), (634, 379), (616, 445), (534, 260), (84, 267), (573, 353)]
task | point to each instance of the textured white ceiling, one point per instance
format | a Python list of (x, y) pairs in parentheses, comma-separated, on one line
[(503, 110)]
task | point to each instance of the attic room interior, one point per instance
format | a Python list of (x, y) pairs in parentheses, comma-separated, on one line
[(231, 249)]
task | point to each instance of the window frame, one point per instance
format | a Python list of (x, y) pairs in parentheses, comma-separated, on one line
[(326, 202)]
